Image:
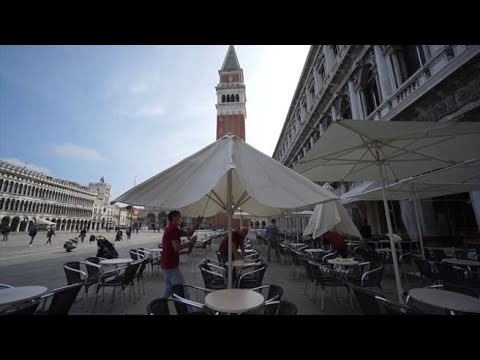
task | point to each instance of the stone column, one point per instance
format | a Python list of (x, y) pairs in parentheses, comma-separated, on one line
[(383, 73), (354, 100), (327, 51), (363, 104), (397, 68), (334, 113)]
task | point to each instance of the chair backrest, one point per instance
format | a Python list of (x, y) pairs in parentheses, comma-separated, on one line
[(159, 306), (366, 300), (391, 308), (439, 254), (212, 279), (448, 273), (73, 277), (93, 271), (257, 279), (21, 309), (286, 308), (424, 267), (133, 254), (130, 273), (62, 299), (281, 307)]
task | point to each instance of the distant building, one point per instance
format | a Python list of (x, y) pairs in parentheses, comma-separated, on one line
[(105, 216), (27, 195)]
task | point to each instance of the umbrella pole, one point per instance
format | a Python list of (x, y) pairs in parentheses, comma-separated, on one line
[(229, 213), (390, 233), (417, 220)]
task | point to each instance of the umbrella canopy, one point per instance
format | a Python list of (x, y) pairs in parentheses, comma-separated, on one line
[(44, 222), (352, 195), (329, 216), (353, 150), (350, 149), (226, 175), (261, 186), (463, 177)]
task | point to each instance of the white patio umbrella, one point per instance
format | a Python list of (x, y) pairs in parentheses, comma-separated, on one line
[(224, 176), (329, 216), (44, 222), (352, 150), (463, 177)]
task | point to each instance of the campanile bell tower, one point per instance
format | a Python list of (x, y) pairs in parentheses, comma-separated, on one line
[(231, 98)]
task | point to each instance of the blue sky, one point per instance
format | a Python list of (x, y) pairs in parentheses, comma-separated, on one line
[(126, 112)]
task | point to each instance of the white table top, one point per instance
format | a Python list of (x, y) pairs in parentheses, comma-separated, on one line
[(314, 250), (242, 263), (464, 262), (118, 261), (234, 300), (21, 293), (446, 299), (154, 250), (343, 262), (296, 244)]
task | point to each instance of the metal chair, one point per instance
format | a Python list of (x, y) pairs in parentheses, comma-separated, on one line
[(61, 300)]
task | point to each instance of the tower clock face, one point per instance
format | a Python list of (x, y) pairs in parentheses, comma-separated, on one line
[(230, 78)]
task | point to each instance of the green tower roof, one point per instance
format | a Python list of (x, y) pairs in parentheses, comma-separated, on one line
[(231, 61)]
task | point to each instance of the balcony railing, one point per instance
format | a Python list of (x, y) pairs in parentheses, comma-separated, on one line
[(406, 90)]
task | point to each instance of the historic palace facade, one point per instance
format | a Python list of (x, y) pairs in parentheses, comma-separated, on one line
[(27, 195), (382, 82)]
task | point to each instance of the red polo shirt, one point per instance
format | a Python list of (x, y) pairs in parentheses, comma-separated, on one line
[(335, 239), (237, 239), (170, 259)]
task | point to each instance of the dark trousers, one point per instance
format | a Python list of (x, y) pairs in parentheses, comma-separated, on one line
[(49, 241), (31, 241)]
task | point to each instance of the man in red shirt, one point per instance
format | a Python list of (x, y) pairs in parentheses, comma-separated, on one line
[(171, 247), (238, 237), (336, 240)]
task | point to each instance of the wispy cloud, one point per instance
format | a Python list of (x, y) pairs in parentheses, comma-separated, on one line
[(148, 111), (28, 165), (139, 88), (76, 152), (142, 112)]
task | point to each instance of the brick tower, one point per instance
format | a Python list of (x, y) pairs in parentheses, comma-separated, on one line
[(231, 98)]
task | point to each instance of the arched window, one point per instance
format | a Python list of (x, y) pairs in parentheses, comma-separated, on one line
[(237, 98), (223, 98), (2, 201), (369, 92), (228, 98)]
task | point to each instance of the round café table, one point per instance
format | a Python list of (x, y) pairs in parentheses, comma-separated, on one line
[(119, 261), (234, 301), (464, 262), (446, 300), (20, 293)]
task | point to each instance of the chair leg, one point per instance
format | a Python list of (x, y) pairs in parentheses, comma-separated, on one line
[(123, 301), (323, 297)]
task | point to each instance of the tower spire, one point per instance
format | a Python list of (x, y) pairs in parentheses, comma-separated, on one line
[(231, 60)]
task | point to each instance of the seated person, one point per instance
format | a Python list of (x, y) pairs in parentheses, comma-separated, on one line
[(337, 242), (238, 237)]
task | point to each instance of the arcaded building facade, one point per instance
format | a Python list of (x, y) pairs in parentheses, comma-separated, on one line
[(383, 82), (27, 195)]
